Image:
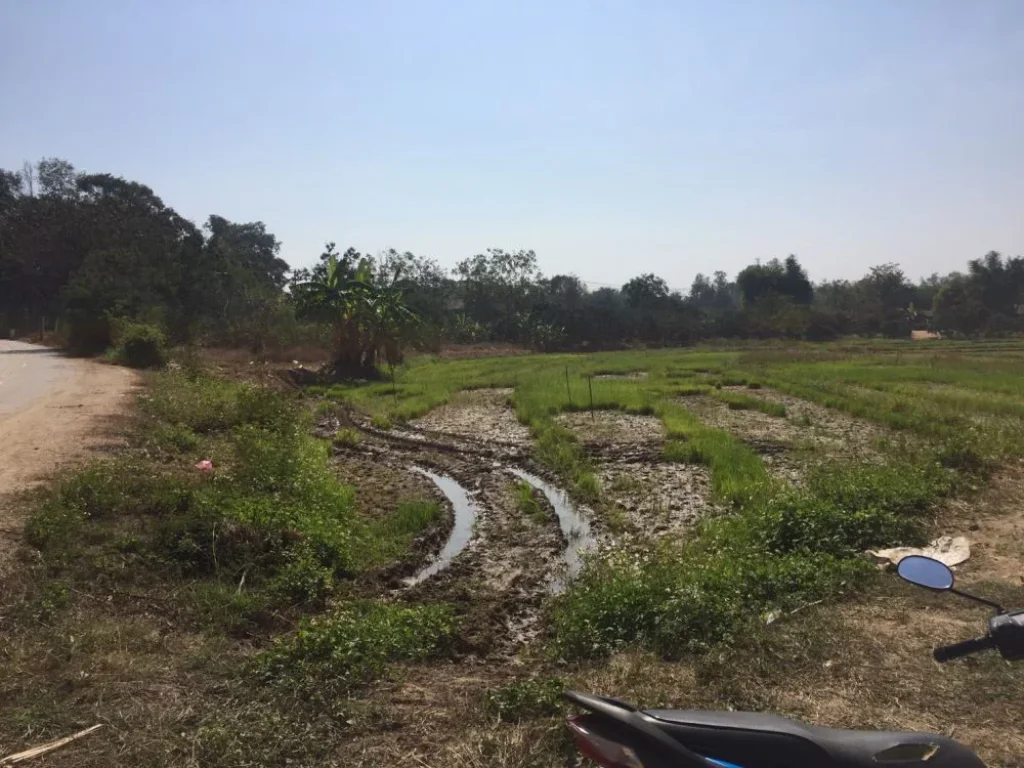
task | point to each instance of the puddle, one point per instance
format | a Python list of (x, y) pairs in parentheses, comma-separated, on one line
[(574, 525), (462, 530)]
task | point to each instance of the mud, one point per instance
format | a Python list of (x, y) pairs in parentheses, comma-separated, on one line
[(658, 499), (499, 576), (478, 414), (831, 430), (499, 569), (573, 522), (465, 514), (631, 376), (381, 485), (603, 428)]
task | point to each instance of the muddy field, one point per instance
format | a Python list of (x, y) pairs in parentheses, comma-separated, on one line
[(500, 562)]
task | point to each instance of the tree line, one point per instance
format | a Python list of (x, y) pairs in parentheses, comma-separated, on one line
[(89, 250)]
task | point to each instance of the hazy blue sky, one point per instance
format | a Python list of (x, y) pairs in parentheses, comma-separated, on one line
[(612, 137)]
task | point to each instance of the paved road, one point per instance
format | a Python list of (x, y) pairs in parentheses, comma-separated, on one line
[(28, 373), (54, 411)]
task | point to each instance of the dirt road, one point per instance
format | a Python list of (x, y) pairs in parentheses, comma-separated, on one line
[(54, 411)]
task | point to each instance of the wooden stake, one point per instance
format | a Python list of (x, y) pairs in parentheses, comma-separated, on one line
[(590, 386), (568, 391), (42, 749)]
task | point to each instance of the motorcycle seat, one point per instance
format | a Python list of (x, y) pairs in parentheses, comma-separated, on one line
[(754, 740)]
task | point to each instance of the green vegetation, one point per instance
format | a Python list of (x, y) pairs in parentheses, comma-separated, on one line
[(780, 551), (389, 537), (367, 312), (139, 345), (737, 401), (781, 547), (85, 252), (331, 656), (525, 699), (527, 503), (261, 590)]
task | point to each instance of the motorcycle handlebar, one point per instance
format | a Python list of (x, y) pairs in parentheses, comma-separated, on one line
[(946, 653)]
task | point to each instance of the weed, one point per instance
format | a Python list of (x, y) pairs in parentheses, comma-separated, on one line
[(737, 401), (784, 548), (526, 699), (173, 438), (336, 654), (347, 437), (527, 503), (388, 538)]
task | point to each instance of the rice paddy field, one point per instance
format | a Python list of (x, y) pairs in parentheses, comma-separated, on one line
[(454, 547)]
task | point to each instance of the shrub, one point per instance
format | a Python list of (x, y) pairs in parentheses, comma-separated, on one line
[(140, 345)]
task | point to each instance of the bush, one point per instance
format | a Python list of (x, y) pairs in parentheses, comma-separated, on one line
[(140, 345)]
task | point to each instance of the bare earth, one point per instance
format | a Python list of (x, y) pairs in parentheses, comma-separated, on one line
[(54, 411)]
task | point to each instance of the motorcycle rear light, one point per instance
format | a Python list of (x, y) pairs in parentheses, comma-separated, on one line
[(604, 752)]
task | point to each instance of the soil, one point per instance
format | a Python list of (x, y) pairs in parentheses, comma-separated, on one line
[(826, 428), (55, 411), (658, 499), (616, 428), (478, 414), (499, 580), (631, 376)]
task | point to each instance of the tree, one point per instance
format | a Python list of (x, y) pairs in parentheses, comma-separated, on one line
[(647, 290), (56, 177), (499, 289), (759, 281), (368, 318), (885, 295)]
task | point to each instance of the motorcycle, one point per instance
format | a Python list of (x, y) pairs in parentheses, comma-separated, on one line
[(617, 735)]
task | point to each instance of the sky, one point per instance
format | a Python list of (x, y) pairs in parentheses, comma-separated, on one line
[(613, 138)]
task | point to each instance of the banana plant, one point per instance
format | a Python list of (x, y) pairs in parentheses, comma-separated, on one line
[(368, 318)]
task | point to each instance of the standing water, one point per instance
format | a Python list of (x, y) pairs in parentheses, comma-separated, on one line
[(575, 527), (462, 530)]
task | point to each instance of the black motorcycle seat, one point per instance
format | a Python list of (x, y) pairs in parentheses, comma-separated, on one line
[(754, 740)]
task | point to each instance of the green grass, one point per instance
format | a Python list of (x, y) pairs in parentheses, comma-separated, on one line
[(738, 401), (330, 657), (527, 699), (388, 538), (184, 577), (781, 546), (527, 503)]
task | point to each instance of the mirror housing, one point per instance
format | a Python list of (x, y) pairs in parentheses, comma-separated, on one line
[(926, 572)]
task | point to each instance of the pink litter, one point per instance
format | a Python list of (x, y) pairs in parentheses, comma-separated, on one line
[(205, 465)]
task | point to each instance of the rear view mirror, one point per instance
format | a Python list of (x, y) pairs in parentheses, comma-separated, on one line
[(925, 572)]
